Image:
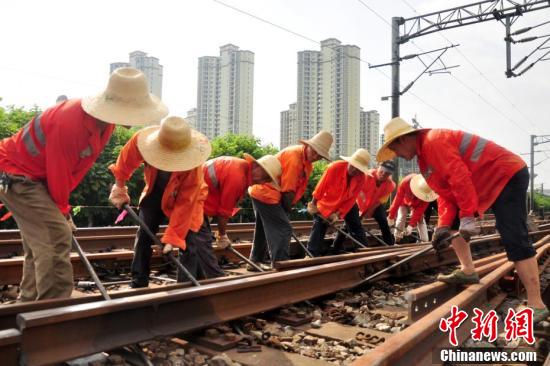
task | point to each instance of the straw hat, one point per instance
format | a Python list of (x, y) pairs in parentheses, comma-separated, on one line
[(271, 165), (360, 160), (321, 143), (421, 189), (173, 146), (393, 129), (126, 101)]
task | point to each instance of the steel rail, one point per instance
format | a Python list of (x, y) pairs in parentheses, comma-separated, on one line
[(101, 326), (122, 237), (415, 344), (94, 327)]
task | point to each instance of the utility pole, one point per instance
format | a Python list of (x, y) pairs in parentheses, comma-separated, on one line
[(395, 92)]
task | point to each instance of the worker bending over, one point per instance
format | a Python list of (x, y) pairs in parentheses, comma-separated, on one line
[(413, 195), (272, 206), (334, 198), (472, 174), (46, 160), (173, 154)]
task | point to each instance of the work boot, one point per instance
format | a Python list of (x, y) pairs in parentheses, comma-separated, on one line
[(250, 268), (458, 277)]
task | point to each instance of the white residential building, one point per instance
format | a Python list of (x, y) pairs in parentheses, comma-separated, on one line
[(328, 95), (369, 135), (225, 92), (289, 135)]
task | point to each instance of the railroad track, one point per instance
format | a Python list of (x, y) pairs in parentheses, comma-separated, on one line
[(102, 239), (119, 260), (42, 329)]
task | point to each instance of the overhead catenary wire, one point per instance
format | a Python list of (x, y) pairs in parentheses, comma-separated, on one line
[(288, 30), (465, 85), (473, 65)]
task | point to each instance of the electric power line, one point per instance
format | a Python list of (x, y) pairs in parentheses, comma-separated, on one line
[(288, 30)]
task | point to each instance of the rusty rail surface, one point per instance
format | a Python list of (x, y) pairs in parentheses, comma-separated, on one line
[(99, 326), (415, 344), (100, 239)]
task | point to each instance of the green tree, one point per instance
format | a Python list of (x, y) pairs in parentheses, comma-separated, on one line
[(13, 118), (91, 198), (237, 145)]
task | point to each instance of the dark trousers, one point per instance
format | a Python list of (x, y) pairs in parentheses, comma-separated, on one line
[(151, 213), (353, 225), (272, 232), (199, 257), (511, 218), (380, 216)]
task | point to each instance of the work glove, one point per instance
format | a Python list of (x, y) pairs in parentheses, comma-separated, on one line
[(223, 241), (468, 227), (312, 208), (398, 235), (71, 223), (333, 217), (441, 238), (119, 196), (408, 230), (391, 222), (167, 248)]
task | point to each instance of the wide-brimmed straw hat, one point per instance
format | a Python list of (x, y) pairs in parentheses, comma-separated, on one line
[(360, 160), (126, 101), (271, 165), (421, 189), (173, 146), (321, 143), (392, 130)]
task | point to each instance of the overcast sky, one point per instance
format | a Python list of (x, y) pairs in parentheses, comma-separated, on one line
[(65, 47)]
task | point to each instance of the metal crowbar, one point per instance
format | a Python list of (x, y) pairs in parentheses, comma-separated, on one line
[(160, 244)]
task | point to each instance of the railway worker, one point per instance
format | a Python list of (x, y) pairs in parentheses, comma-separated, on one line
[(471, 174), (413, 194), (198, 256), (334, 198), (272, 206), (173, 155), (42, 163), (373, 195), (228, 178)]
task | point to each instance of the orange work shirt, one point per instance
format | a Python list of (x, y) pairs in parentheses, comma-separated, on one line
[(296, 170), (227, 178), (334, 193), (180, 196), (405, 197), (371, 194), (467, 171)]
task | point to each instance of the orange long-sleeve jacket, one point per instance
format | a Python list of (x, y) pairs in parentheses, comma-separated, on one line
[(227, 178), (57, 147), (468, 172), (181, 195), (405, 197), (371, 194), (296, 170), (334, 193)]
